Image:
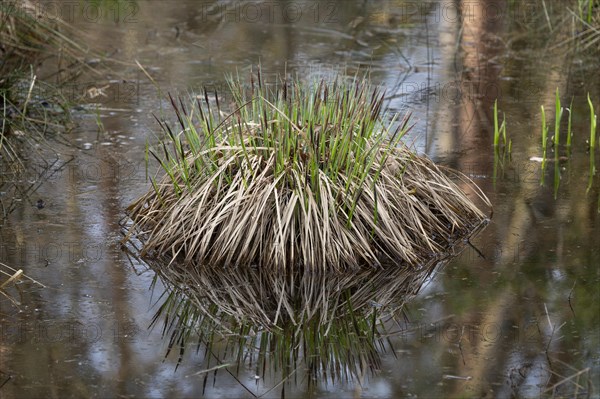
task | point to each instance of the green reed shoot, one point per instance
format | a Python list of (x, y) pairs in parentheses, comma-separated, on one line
[(592, 171), (499, 129), (496, 129), (99, 122), (586, 15), (557, 119), (592, 124), (556, 174), (569, 128), (503, 129), (558, 111), (544, 135)]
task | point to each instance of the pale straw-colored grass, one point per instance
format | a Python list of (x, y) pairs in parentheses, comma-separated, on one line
[(299, 176)]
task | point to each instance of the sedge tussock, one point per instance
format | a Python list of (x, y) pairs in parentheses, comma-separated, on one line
[(306, 176)]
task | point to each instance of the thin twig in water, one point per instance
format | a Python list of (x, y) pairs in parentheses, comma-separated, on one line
[(462, 332), (5, 381), (554, 329), (570, 295), (481, 255), (564, 380), (220, 366)]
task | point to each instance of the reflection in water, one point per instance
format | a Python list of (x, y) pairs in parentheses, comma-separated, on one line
[(302, 327)]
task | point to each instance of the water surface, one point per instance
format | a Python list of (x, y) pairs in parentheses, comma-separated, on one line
[(511, 324)]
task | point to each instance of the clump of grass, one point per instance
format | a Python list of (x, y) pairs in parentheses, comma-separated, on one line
[(31, 108), (583, 26), (29, 103), (26, 37), (299, 175), (500, 131)]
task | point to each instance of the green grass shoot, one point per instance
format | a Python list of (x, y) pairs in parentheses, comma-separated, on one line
[(592, 172), (499, 130), (99, 122), (557, 120), (593, 121), (590, 11), (544, 133), (569, 126), (496, 128)]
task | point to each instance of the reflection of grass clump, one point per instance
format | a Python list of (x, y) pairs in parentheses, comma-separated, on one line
[(304, 175), (297, 326), (330, 327), (589, 17)]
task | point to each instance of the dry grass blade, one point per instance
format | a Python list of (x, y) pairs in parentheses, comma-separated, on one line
[(14, 277)]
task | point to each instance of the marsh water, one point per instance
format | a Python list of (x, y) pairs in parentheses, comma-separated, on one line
[(517, 316)]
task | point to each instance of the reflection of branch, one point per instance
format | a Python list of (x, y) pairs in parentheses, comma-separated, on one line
[(287, 377), (481, 255), (6, 380), (44, 176), (566, 379), (570, 293), (578, 373), (462, 332), (220, 366), (554, 329), (217, 368)]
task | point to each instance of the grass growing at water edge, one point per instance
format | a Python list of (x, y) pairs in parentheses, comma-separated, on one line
[(32, 109)]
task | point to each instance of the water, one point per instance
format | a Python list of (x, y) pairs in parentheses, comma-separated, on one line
[(480, 327)]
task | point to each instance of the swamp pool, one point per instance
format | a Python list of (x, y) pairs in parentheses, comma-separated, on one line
[(517, 314)]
